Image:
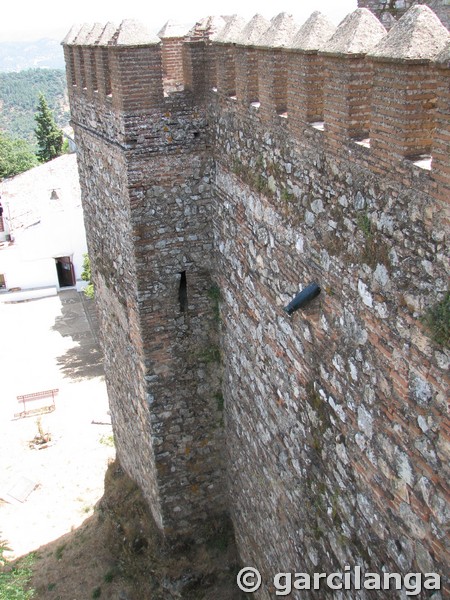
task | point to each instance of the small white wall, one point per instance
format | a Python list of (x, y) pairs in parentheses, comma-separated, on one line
[(26, 274), (30, 261)]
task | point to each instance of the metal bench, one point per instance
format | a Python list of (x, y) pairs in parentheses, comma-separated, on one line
[(44, 408)]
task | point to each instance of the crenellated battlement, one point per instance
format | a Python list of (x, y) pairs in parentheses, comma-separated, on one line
[(356, 84)]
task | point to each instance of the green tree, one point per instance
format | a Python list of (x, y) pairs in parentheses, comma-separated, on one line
[(86, 275), (16, 156), (49, 135)]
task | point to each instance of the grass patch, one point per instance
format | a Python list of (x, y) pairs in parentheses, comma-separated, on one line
[(109, 575), (375, 250), (107, 440), (214, 294), (14, 579), (365, 224), (220, 400), (287, 196), (60, 551), (210, 355), (437, 321)]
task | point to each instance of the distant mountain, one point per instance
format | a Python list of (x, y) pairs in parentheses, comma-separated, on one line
[(17, 56)]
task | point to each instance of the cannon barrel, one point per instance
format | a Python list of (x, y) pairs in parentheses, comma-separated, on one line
[(302, 298)]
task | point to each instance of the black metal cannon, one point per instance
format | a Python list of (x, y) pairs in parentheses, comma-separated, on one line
[(302, 298)]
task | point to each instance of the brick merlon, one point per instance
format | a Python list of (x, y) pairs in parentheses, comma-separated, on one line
[(94, 35), (72, 34), (83, 34), (358, 33), (314, 33), (280, 33), (443, 58), (231, 32), (134, 33), (173, 30), (206, 27), (254, 30), (108, 33), (418, 36)]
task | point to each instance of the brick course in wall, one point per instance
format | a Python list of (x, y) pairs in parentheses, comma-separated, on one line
[(325, 434)]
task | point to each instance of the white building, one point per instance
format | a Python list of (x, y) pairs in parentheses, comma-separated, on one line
[(43, 242)]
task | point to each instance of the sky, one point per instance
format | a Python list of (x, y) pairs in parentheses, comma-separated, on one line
[(32, 19)]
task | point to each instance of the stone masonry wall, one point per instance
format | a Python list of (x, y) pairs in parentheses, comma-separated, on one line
[(324, 433), (339, 412)]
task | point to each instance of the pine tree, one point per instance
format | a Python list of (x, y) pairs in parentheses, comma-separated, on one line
[(49, 136)]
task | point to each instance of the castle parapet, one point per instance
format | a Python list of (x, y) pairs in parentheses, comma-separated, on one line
[(405, 86), (136, 69), (347, 83), (225, 55), (357, 82), (247, 60), (306, 75), (120, 67), (272, 66), (386, 91), (69, 57), (441, 142)]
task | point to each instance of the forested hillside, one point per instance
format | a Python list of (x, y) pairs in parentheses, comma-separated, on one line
[(19, 95)]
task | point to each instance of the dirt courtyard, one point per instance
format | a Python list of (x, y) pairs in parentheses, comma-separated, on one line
[(45, 344)]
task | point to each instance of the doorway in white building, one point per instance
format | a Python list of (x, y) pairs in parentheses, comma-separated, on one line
[(66, 272)]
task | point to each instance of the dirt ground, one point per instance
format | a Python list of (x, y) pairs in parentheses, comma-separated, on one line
[(118, 554), (50, 344), (91, 537)]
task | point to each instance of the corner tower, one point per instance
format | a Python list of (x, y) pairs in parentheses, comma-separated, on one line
[(145, 180)]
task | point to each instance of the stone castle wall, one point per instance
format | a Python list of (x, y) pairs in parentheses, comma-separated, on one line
[(302, 157)]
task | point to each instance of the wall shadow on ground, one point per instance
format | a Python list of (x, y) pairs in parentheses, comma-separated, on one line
[(78, 320)]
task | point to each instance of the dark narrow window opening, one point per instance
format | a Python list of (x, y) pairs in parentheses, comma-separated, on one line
[(94, 72), (72, 66), (82, 69), (182, 292), (106, 72)]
